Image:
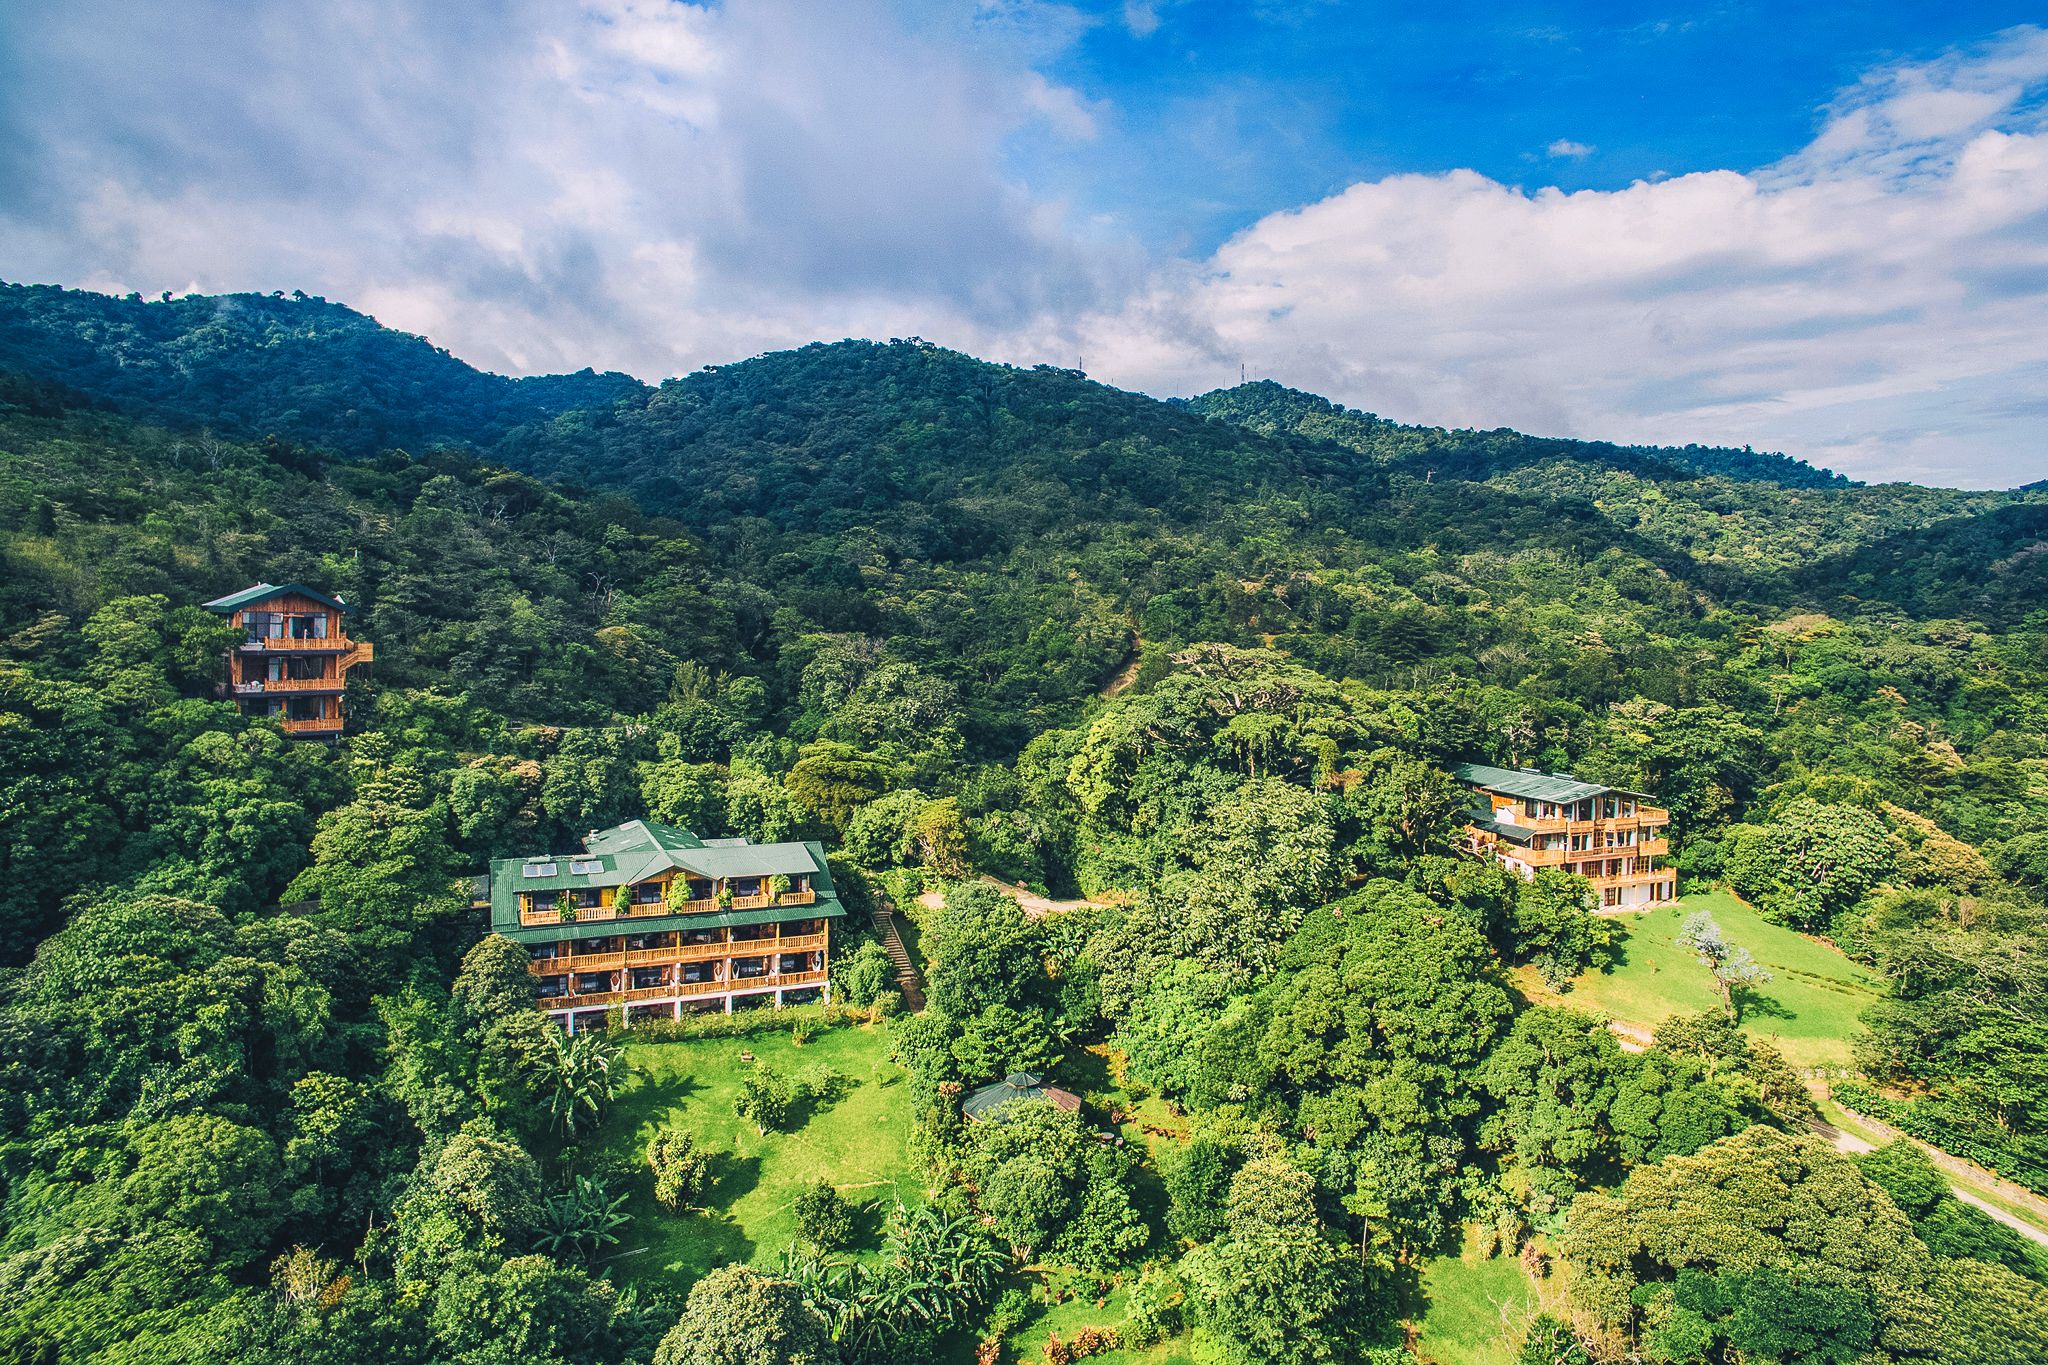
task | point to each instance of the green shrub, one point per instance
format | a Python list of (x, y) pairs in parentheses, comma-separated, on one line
[(680, 1168), (823, 1217)]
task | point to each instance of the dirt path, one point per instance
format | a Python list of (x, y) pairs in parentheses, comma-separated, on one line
[(1030, 902), (1128, 674)]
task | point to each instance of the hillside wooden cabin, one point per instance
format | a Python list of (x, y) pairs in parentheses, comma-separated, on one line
[(654, 921), (1612, 838), (294, 657)]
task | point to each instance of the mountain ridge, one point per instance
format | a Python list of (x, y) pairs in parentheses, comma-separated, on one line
[(165, 357)]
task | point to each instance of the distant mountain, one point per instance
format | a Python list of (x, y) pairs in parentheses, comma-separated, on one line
[(1271, 408), (256, 364), (922, 454)]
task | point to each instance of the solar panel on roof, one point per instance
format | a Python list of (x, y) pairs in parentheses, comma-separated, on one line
[(583, 867), (537, 870)]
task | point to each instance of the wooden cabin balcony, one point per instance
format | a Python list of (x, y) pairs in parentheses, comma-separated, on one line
[(266, 644), (534, 917), (768, 898), (269, 687), (683, 952), (1558, 857), (1662, 874), (318, 725), (682, 991), (1646, 817)]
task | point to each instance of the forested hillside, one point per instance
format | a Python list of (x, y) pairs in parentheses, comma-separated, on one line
[(271, 1094)]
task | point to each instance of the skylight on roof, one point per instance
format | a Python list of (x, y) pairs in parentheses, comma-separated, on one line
[(537, 870), (583, 867)]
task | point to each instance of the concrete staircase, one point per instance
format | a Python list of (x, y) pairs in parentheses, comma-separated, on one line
[(907, 979)]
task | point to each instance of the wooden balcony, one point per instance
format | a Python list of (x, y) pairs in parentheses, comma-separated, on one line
[(683, 991), (1557, 857), (269, 644), (685, 952), (270, 687), (1662, 874), (583, 914), (319, 725), (767, 899), (1646, 818), (578, 962)]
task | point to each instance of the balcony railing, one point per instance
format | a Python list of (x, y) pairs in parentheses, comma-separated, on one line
[(318, 725), (683, 952), (1557, 824), (536, 916), (551, 914), (270, 686), (1555, 857), (257, 644), (683, 991)]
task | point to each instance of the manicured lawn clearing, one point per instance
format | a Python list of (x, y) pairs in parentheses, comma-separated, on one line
[(1809, 1008), (1477, 1310), (859, 1144)]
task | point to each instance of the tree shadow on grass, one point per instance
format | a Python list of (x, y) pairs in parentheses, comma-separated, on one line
[(1751, 1005), (699, 1242), (653, 1096), (869, 1218), (731, 1177)]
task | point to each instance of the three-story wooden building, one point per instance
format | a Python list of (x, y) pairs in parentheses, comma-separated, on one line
[(1611, 837), (294, 657), (654, 921)]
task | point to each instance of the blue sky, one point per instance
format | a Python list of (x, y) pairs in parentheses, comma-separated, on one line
[(1272, 105), (1815, 228)]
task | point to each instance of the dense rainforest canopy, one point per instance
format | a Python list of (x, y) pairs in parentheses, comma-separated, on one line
[(270, 1093)]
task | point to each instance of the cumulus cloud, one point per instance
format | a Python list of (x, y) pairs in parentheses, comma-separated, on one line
[(1878, 302), (652, 185), (634, 183), (1569, 150)]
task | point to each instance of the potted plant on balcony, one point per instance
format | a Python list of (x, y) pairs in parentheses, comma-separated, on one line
[(565, 907), (678, 895), (622, 899), (778, 887), (724, 896)]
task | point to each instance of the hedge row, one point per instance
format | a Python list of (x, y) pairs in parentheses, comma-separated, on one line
[(2001, 1158)]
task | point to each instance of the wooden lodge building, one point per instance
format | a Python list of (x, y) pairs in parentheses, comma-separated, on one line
[(656, 921), (294, 657), (1613, 838)]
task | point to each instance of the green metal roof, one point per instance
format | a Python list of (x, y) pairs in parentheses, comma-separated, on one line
[(235, 601), (1530, 786), (1018, 1085)]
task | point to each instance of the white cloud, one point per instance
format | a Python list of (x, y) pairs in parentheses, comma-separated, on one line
[(1574, 151), (642, 184), (1878, 303)]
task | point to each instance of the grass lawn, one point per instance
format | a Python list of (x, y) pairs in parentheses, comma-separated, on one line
[(1477, 1310), (1809, 1008), (858, 1143)]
